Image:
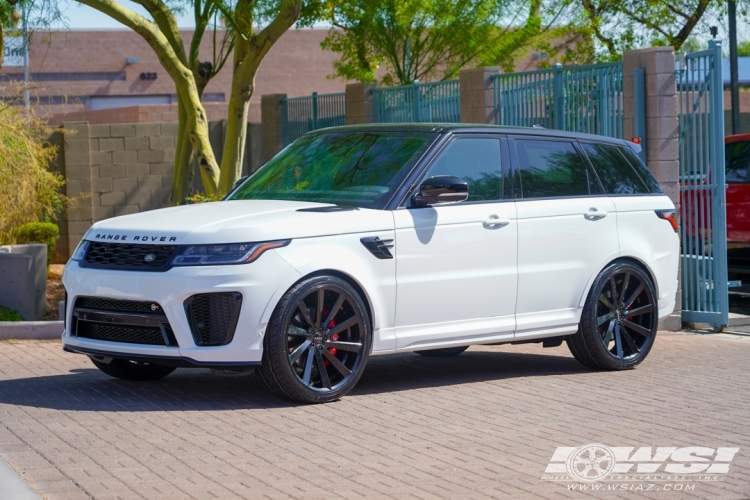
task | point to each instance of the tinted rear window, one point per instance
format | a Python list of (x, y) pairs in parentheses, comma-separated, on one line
[(615, 171), (737, 157), (552, 169), (642, 170)]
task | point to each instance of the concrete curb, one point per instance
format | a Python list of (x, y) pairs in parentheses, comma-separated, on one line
[(30, 330), (12, 485)]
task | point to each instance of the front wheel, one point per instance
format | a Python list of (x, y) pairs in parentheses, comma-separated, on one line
[(619, 320), (131, 370), (317, 341)]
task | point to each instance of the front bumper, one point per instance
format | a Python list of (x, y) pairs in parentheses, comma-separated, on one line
[(261, 284)]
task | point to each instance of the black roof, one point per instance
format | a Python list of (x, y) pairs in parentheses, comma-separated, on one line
[(468, 128)]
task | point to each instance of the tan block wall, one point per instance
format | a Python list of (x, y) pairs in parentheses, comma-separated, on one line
[(119, 169)]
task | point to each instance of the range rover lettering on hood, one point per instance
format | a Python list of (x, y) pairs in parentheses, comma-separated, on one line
[(141, 239)]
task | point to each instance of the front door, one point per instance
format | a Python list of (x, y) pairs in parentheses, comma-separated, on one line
[(567, 233), (456, 263)]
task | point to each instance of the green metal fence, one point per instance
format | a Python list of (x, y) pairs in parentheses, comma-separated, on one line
[(417, 102), (574, 98), (703, 224), (303, 114)]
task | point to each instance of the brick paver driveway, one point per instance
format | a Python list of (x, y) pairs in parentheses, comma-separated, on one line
[(484, 424)]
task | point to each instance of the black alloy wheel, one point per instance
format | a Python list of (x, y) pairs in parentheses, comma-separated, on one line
[(619, 320), (317, 341)]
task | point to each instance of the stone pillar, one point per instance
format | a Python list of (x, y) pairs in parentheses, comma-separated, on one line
[(271, 118), (477, 95), (77, 160), (662, 128), (359, 103)]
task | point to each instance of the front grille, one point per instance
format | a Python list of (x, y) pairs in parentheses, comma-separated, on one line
[(129, 321), (118, 305), (213, 317), (127, 334), (128, 257)]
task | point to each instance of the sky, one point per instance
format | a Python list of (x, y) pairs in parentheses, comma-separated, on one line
[(84, 17)]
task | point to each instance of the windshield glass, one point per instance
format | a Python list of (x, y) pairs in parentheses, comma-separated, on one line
[(358, 169)]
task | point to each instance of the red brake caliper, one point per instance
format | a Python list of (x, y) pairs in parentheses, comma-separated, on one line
[(334, 338)]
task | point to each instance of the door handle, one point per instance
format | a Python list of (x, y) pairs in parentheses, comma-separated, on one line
[(495, 221), (593, 213)]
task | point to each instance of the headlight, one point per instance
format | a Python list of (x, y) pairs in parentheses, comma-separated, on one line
[(80, 252), (234, 253)]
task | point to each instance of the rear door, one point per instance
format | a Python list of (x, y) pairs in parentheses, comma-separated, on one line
[(567, 232)]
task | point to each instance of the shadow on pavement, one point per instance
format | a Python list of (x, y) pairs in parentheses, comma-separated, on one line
[(87, 389)]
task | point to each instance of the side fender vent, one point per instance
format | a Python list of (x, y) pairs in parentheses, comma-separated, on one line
[(379, 248)]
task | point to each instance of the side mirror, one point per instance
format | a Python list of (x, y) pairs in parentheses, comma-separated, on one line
[(441, 189)]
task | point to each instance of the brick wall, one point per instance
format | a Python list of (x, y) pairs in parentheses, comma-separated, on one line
[(120, 169)]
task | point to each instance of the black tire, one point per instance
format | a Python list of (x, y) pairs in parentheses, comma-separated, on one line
[(619, 319), (317, 342), (446, 352), (130, 370)]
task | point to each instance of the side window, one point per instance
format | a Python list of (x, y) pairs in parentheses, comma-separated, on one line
[(643, 172), (553, 169), (614, 170), (737, 157), (477, 161)]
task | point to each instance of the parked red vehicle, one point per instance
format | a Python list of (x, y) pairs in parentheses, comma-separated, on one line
[(737, 158), (696, 209)]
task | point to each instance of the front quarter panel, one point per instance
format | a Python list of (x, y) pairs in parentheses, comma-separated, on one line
[(346, 254)]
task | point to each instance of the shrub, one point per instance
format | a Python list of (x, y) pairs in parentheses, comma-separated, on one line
[(37, 232), (7, 314), (29, 191)]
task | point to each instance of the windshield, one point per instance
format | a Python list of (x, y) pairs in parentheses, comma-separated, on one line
[(358, 169)]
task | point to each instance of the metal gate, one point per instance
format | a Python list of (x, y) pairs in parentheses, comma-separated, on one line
[(300, 115), (437, 102), (574, 98), (703, 226)]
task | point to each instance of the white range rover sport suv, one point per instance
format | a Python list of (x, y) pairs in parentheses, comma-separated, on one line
[(366, 240)]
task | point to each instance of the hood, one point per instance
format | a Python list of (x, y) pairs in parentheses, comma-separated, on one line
[(239, 221)]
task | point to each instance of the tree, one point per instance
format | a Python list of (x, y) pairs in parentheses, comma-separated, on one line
[(250, 45), (427, 39), (620, 25), (40, 15)]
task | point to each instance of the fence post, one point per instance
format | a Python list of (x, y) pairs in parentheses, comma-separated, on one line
[(477, 95), (315, 111), (661, 127), (602, 111), (719, 176), (559, 98), (639, 110), (415, 90), (359, 103), (272, 120)]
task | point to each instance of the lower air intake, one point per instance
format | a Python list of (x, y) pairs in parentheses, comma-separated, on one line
[(127, 334), (213, 317)]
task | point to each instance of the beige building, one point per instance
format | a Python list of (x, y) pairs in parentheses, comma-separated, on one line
[(113, 76)]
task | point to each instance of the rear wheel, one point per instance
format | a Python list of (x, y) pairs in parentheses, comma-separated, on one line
[(317, 341), (619, 320), (446, 352), (131, 370)]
